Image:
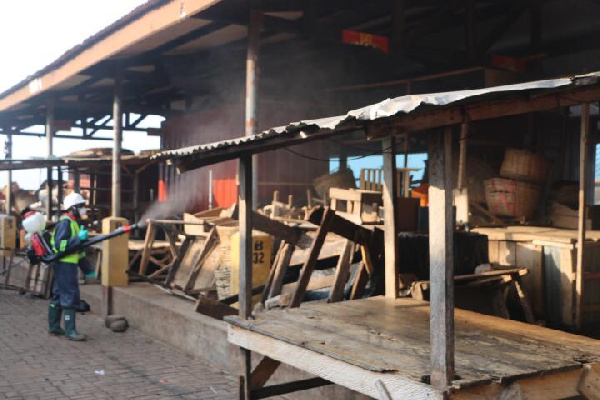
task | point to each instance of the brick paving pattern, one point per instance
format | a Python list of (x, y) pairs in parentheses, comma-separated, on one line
[(35, 365)]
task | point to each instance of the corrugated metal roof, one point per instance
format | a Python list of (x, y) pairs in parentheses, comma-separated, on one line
[(73, 162), (385, 109)]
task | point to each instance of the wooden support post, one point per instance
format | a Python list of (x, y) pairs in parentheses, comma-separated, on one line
[(263, 372), (77, 181), (389, 217), (8, 156), (245, 291), (579, 278), (246, 373), (441, 264), (313, 256), (136, 201), (252, 76), (406, 174), (245, 218), (59, 186), (49, 151), (342, 273), (117, 141), (461, 195)]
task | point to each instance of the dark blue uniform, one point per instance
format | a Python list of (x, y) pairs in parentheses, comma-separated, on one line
[(65, 289)]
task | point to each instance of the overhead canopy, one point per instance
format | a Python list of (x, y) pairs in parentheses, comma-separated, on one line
[(170, 50), (402, 114), (71, 162)]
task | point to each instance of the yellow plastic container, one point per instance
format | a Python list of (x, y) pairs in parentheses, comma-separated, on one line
[(262, 245)]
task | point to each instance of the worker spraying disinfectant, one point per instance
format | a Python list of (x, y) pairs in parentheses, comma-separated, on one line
[(68, 234), (62, 249)]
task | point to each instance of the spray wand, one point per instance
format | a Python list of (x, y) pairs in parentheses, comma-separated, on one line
[(50, 258)]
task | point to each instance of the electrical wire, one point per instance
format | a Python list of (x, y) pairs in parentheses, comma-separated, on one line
[(329, 160)]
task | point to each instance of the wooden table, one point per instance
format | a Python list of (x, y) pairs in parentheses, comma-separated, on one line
[(370, 344)]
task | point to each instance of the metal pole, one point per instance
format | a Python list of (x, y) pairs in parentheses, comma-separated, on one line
[(8, 201), (116, 156), (252, 75), (210, 189), (49, 151)]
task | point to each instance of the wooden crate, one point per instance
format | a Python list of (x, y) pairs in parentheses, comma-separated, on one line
[(552, 278)]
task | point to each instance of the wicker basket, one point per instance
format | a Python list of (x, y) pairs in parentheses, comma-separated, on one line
[(511, 198), (343, 179), (524, 165)]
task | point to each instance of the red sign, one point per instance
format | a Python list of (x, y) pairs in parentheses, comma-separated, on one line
[(381, 43)]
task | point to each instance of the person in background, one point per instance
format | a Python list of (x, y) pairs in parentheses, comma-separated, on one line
[(65, 291)]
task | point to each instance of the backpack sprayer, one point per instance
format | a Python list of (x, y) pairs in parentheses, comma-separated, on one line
[(40, 249)]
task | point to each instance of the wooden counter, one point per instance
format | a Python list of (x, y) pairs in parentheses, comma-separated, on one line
[(358, 343)]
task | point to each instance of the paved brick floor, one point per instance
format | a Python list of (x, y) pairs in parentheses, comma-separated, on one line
[(35, 365)]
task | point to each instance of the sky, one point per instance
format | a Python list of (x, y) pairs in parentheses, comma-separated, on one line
[(40, 31)]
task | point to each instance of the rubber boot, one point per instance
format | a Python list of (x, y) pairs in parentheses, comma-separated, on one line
[(70, 329), (54, 317)]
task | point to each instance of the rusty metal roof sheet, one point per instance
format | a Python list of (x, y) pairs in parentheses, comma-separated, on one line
[(296, 132)]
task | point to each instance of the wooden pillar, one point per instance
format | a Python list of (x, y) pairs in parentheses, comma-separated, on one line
[(8, 156), (252, 76), (59, 186), (245, 196), (117, 141), (136, 200), (441, 261), (77, 181), (49, 151), (245, 220), (580, 273), (389, 201), (461, 194)]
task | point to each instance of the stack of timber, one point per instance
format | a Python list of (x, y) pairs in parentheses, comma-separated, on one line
[(345, 256), (550, 256)]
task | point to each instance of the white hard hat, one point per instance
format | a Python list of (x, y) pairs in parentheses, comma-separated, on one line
[(73, 199)]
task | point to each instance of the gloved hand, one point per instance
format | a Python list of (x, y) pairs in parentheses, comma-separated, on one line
[(83, 234), (90, 275)]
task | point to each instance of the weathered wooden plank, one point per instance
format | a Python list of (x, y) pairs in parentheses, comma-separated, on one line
[(313, 255), (182, 252), (389, 217), (343, 227), (583, 150), (209, 244), (441, 235), (272, 227), (338, 372), (149, 239), (280, 270), (342, 273), (360, 282)]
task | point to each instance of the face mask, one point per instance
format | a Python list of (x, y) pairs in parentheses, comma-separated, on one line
[(82, 211)]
